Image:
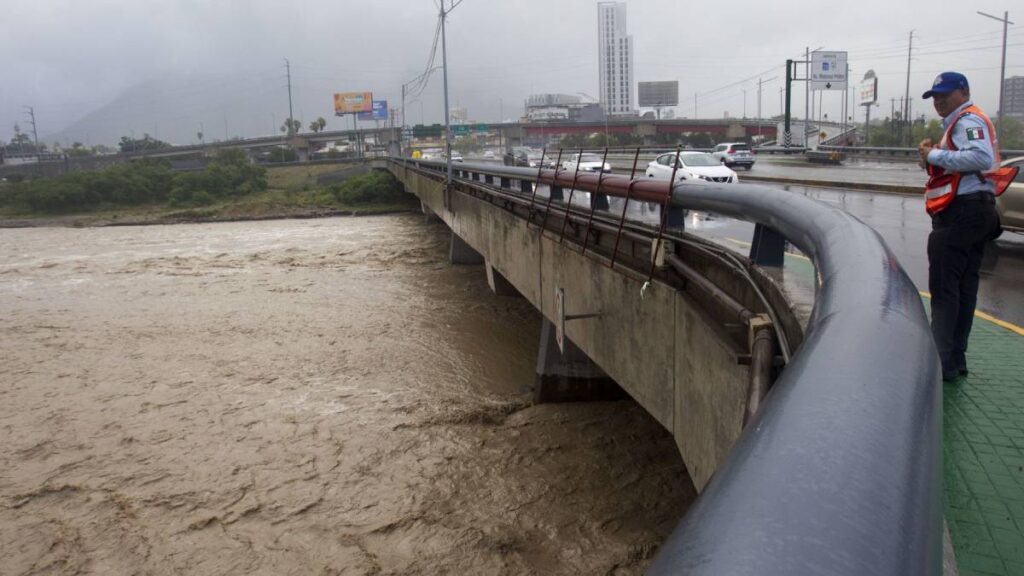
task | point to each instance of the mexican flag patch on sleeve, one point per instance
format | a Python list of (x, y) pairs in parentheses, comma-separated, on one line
[(975, 134)]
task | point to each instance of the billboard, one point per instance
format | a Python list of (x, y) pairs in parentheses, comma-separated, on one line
[(658, 94), (868, 92), (353, 102), (828, 70), (379, 111)]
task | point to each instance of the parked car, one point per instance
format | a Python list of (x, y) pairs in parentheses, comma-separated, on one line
[(692, 166), (1010, 203), (587, 163), (488, 155), (734, 154)]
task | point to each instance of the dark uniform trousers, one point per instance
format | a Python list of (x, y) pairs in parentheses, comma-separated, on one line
[(955, 248)]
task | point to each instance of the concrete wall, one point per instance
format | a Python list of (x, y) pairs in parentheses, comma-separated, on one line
[(662, 348)]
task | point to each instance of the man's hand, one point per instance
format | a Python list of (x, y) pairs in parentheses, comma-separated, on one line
[(923, 149)]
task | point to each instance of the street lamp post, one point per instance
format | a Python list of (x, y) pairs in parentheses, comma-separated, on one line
[(1002, 68)]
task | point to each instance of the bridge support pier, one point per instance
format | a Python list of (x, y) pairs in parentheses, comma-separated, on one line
[(570, 376), (428, 214), (459, 252), (498, 283)]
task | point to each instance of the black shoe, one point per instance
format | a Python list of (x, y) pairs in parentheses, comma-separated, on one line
[(960, 361), (951, 376)]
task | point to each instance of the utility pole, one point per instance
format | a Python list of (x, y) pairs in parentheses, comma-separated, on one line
[(1002, 68), (846, 100), (35, 133), (288, 68), (906, 96), (447, 117), (401, 135), (807, 93), (759, 109), (787, 134)]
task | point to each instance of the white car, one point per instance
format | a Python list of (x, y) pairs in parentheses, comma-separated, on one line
[(734, 154), (692, 166), (1010, 203), (587, 163), (489, 155)]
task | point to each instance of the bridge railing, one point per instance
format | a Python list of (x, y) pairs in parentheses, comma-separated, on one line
[(839, 471)]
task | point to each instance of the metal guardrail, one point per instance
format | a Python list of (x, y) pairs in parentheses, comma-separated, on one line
[(839, 472)]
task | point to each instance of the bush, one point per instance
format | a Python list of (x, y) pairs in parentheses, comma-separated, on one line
[(377, 186), (229, 174)]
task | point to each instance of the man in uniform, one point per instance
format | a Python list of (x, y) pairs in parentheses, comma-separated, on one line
[(959, 197)]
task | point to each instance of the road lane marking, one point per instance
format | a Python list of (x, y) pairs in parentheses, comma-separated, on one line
[(988, 317), (984, 316)]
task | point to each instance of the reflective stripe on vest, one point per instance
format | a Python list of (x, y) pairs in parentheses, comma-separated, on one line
[(942, 187)]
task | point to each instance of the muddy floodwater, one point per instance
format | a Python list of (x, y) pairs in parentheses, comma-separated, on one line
[(300, 397)]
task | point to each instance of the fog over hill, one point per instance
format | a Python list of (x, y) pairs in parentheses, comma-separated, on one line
[(95, 71), (176, 109)]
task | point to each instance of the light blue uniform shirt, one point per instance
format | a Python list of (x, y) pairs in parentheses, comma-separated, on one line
[(970, 155)]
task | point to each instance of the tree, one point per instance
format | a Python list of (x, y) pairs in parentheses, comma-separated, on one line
[(318, 125), (78, 149), (145, 144), (1011, 134), (22, 143), (291, 126), (199, 135)]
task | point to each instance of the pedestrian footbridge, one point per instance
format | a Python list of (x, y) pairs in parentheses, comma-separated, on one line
[(815, 444)]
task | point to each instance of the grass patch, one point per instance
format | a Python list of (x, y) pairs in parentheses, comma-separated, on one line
[(298, 178)]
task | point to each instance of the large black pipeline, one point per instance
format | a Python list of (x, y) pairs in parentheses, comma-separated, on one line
[(839, 472)]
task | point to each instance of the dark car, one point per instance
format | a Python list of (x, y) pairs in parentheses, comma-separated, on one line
[(527, 158)]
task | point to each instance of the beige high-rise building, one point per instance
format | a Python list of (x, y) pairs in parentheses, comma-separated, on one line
[(615, 58)]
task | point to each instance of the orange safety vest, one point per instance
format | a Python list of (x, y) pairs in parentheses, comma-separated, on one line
[(942, 186)]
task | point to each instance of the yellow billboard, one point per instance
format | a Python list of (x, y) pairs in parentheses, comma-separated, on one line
[(352, 102)]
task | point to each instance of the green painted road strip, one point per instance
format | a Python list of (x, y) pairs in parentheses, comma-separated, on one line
[(982, 445)]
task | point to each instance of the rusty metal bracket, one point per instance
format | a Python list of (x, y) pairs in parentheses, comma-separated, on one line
[(562, 317), (664, 217), (568, 203), (551, 187), (593, 204), (762, 356), (536, 186)]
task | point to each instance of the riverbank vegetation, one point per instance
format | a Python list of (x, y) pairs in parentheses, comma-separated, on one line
[(229, 188)]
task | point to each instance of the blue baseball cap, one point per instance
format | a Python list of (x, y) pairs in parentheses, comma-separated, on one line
[(946, 83)]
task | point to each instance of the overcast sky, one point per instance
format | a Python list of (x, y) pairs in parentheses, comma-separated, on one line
[(219, 63)]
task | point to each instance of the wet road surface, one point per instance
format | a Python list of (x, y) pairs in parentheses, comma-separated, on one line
[(298, 397), (904, 225)]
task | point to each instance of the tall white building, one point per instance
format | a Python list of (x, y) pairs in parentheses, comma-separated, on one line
[(615, 58)]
